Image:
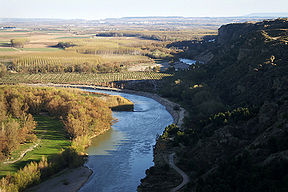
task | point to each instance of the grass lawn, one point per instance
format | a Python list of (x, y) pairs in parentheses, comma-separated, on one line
[(53, 140)]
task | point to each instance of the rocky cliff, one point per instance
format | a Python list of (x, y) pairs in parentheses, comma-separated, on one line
[(242, 144)]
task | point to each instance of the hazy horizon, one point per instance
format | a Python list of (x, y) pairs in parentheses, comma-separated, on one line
[(260, 15), (94, 10)]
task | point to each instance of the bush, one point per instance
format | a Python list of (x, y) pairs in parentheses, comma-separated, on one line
[(170, 131), (222, 118), (80, 143), (64, 45)]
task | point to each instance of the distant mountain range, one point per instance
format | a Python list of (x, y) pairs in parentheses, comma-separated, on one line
[(268, 14), (262, 15)]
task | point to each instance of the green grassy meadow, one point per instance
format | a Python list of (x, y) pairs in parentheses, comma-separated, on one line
[(53, 140)]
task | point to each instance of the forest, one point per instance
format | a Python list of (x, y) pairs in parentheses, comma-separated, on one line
[(236, 131), (82, 117)]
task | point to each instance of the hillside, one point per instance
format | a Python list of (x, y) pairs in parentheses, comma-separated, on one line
[(238, 125)]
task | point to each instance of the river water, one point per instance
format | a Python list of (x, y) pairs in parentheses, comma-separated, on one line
[(120, 157), (188, 61)]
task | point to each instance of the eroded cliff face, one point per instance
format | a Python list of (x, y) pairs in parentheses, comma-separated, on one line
[(231, 32), (250, 60)]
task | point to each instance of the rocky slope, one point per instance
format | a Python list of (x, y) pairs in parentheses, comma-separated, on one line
[(242, 144)]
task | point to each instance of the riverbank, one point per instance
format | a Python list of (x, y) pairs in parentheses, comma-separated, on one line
[(178, 113), (174, 109), (68, 180)]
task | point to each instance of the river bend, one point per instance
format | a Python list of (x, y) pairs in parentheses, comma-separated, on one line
[(120, 157)]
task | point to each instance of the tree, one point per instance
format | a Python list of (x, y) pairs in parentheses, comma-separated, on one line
[(19, 43), (11, 133), (15, 109), (3, 70)]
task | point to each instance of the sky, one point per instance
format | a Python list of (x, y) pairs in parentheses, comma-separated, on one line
[(100, 9)]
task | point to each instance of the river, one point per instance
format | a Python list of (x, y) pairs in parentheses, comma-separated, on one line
[(120, 157), (190, 62)]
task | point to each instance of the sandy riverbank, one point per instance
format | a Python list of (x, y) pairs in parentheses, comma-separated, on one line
[(71, 180)]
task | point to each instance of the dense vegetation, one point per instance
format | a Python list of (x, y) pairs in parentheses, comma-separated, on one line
[(21, 102), (82, 116), (160, 35), (237, 129)]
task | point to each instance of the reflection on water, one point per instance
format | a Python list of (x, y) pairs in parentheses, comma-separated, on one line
[(105, 142), (120, 157)]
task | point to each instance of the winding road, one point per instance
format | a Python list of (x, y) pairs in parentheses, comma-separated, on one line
[(178, 170)]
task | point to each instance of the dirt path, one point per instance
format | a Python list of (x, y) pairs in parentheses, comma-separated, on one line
[(22, 154), (184, 175), (25, 152)]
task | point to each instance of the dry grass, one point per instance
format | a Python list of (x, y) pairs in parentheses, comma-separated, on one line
[(37, 39)]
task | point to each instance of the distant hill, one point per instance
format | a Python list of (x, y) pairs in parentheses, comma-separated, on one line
[(285, 14), (171, 22)]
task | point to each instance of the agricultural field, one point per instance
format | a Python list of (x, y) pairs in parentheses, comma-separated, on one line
[(83, 58), (40, 52), (69, 50), (101, 79)]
